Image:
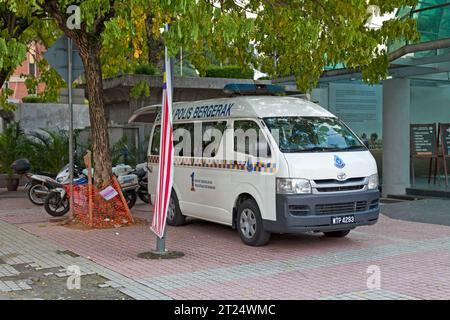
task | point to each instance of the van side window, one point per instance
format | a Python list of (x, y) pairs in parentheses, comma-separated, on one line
[(154, 150), (249, 139), (183, 139), (212, 133)]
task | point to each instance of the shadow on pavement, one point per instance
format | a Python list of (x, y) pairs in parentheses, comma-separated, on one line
[(433, 211)]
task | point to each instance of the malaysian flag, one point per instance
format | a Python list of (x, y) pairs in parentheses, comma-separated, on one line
[(165, 173)]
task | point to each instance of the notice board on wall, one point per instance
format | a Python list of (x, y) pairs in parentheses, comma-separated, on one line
[(445, 138), (423, 140), (444, 145)]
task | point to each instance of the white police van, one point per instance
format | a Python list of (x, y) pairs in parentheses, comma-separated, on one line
[(265, 164)]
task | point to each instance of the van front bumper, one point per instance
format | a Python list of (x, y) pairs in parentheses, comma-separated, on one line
[(314, 212)]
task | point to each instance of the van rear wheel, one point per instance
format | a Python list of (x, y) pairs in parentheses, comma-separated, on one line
[(250, 225), (174, 215)]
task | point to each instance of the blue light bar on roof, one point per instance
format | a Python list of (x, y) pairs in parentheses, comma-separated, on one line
[(253, 89)]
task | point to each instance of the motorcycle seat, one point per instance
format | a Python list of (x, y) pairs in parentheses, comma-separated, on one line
[(140, 173), (48, 174)]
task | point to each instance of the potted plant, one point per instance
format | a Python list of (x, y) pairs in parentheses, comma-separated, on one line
[(12, 147)]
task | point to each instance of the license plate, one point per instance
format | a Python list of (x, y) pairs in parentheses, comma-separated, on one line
[(343, 219)]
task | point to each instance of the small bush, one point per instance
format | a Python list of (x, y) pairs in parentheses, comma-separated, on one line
[(32, 99), (13, 145), (234, 72), (147, 69), (48, 150)]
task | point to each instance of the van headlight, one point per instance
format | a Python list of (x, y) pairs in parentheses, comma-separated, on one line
[(373, 182), (293, 186)]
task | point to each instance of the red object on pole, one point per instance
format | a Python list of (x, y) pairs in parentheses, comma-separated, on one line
[(165, 173)]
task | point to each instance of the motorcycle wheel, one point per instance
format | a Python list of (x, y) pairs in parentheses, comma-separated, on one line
[(145, 197), (34, 196), (55, 206), (130, 197)]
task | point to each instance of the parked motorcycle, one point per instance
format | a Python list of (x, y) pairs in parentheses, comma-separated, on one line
[(142, 173), (129, 184), (40, 185), (57, 202), (128, 181)]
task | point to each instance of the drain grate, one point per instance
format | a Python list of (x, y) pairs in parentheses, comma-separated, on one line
[(68, 252)]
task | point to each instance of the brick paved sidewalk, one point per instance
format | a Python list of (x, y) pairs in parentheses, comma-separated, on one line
[(414, 259)]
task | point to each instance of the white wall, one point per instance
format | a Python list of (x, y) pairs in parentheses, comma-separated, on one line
[(34, 116)]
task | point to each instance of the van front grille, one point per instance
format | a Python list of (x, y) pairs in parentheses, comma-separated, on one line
[(333, 185), (345, 207), (328, 181), (340, 188)]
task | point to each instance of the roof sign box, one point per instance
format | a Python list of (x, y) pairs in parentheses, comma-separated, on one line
[(235, 89)]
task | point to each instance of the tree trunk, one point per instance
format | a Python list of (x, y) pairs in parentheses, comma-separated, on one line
[(8, 116), (89, 45), (4, 74), (90, 55), (155, 45)]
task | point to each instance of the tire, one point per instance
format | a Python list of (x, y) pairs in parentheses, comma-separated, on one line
[(55, 206), (130, 197), (145, 197), (36, 198), (174, 216), (337, 234), (250, 225)]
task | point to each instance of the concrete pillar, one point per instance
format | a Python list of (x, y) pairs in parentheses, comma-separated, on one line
[(396, 120)]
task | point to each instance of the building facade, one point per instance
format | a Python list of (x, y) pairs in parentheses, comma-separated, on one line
[(28, 67)]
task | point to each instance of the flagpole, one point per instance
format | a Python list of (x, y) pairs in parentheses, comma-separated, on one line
[(161, 203), (161, 242)]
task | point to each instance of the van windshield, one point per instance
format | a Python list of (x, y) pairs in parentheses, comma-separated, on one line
[(312, 134)]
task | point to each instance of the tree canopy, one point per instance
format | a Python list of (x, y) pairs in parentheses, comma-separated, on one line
[(298, 37), (15, 19), (281, 38), (20, 24)]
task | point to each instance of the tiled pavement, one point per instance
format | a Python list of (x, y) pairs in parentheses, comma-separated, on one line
[(20, 247), (413, 259)]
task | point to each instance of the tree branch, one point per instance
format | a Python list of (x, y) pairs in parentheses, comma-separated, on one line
[(52, 8), (99, 24)]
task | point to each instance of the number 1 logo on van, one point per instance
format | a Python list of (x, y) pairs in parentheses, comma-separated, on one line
[(192, 181)]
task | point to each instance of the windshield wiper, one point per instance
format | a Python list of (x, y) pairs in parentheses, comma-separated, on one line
[(319, 149), (324, 149), (354, 148)]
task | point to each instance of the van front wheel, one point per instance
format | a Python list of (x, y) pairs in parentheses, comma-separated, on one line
[(174, 215), (250, 225)]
